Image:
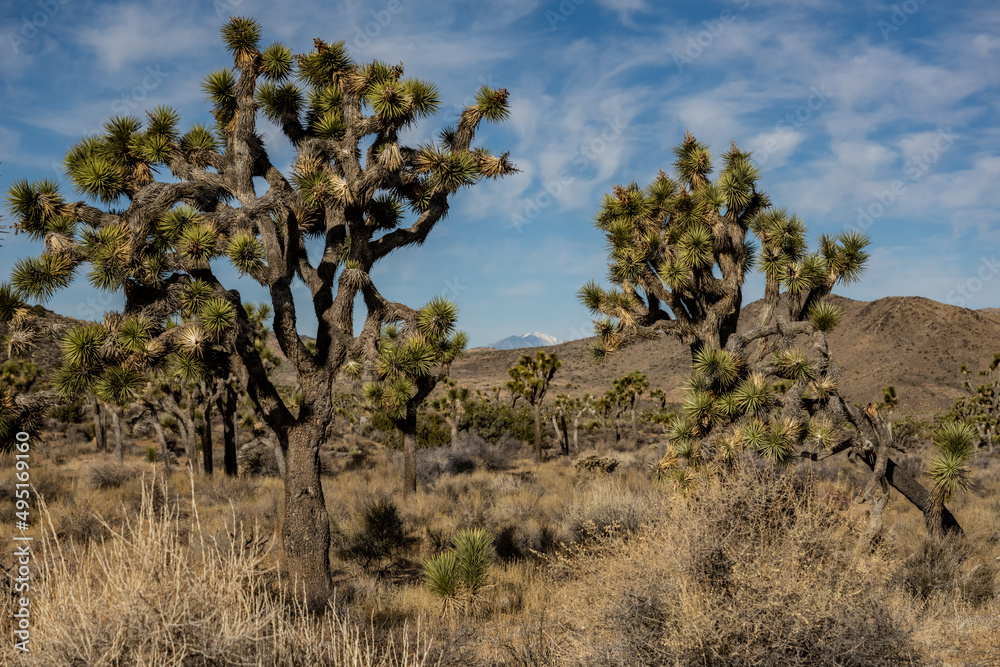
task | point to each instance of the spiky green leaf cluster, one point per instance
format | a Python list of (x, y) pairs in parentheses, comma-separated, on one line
[(35, 206), (279, 100), (492, 104), (38, 278), (465, 567), (246, 252), (216, 316), (950, 469), (441, 575), (825, 316), (220, 88), (242, 35), (135, 333), (276, 62)]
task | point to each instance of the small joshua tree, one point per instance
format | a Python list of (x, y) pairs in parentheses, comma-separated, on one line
[(629, 390), (571, 408), (452, 405), (530, 379), (412, 360), (355, 190)]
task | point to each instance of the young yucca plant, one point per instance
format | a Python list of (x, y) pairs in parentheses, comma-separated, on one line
[(464, 569), (441, 575), (950, 469), (474, 548)]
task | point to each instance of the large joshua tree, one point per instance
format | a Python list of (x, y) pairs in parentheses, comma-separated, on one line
[(679, 252), (341, 210)]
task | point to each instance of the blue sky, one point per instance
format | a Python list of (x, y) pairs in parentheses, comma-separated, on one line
[(863, 115)]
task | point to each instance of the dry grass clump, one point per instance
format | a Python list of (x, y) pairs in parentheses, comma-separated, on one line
[(158, 592), (751, 570), (111, 474)]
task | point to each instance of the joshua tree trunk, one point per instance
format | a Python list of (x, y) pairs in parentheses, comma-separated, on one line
[(98, 415), (576, 432), (305, 532), (227, 410), (280, 460), (538, 432), (937, 517), (206, 440), (453, 423), (161, 437), (408, 426), (563, 430), (191, 434), (116, 427), (635, 429)]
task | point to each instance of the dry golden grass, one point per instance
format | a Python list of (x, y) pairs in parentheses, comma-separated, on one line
[(159, 590), (593, 569)]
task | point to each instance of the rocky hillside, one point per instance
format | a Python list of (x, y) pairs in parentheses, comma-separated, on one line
[(913, 343)]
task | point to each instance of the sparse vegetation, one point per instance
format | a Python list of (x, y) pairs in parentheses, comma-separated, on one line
[(381, 513)]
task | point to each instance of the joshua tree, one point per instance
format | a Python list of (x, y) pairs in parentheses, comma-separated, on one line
[(567, 407), (683, 245), (452, 405), (341, 210), (411, 361), (680, 253), (628, 391), (530, 379)]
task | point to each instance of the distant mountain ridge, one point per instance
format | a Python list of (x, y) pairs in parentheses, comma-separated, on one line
[(534, 339), (912, 343)]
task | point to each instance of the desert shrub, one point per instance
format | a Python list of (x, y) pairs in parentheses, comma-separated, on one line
[(491, 421), (257, 457), (49, 483), (946, 565), (751, 571), (110, 475), (68, 412), (596, 464), (605, 506), (225, 488), (380, 534)]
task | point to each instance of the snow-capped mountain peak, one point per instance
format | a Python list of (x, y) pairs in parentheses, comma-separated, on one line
[(533, 339)]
